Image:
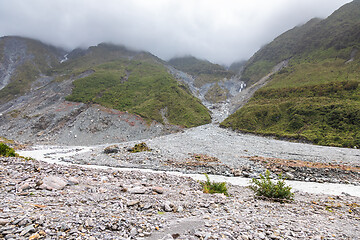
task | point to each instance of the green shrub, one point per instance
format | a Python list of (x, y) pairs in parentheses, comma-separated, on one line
[(6, 151), (270, 190), (140, 147), (214, 187)]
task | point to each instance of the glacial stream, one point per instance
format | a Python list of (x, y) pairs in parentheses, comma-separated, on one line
[(54, 154)]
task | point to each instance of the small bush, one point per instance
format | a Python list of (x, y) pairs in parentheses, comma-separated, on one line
[(214, 187), (111, 149), (268, 189), (140, 147), (6, 151)]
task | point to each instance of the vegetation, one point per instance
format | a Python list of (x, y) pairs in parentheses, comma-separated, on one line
[(268, 189), (214, 187), (140, 147), (324, 112), (142, 87), (317, 97), (6, 151)]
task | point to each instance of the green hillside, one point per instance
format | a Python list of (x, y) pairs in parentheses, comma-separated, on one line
[(143, 87), (317, 97), (202, 70), (123, 79), (132, 81)]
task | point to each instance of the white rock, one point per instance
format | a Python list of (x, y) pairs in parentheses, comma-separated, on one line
[(137, 190), (53, 182)]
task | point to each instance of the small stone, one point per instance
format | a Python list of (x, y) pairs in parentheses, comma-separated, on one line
[(10, 236), (199, 234), (147, 206), (208, 236), (245, 237), (24, 186), (28, 229), (273, 236), (89, 223), (137, 190), (64, 227), (289, 176), (158, 190), (34, 236), (167, 207), (133, 232), (73, 181), (23, 222), (4, 221), (180, 209), (261, 235), (133, 203)]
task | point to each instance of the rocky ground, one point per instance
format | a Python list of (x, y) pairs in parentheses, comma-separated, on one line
[(210, 149), (49, 201)]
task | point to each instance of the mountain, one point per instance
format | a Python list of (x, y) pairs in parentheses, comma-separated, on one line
[(210, 82), (203, 70), (107, 91), (237, 67), (22, 61), (315, 95)]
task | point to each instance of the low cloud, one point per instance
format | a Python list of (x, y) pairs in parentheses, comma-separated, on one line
[(221, 31)]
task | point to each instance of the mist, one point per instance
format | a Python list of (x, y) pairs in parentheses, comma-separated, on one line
[(220, 31)]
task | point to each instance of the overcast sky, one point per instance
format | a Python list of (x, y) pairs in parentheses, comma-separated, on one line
[(222, 31)]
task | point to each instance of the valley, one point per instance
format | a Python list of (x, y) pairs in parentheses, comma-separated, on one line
[(115, 143)]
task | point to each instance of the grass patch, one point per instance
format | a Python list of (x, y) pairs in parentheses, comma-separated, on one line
[(214, 187), (6, 151), (266, 188)]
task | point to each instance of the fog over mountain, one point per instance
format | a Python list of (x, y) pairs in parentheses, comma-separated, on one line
[(220, 31)]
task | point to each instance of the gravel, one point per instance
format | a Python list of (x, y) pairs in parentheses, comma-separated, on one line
[(103, 205), (213, 150)]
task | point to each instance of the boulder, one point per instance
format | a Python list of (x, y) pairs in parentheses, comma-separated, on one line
[(53, 182)]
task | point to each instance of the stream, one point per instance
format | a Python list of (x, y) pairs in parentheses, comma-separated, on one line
[(54, 154)]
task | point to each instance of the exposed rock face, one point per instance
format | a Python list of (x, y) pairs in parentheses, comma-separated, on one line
[(14, 55)]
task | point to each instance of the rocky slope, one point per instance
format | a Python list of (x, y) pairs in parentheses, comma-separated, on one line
[(210, 82)]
